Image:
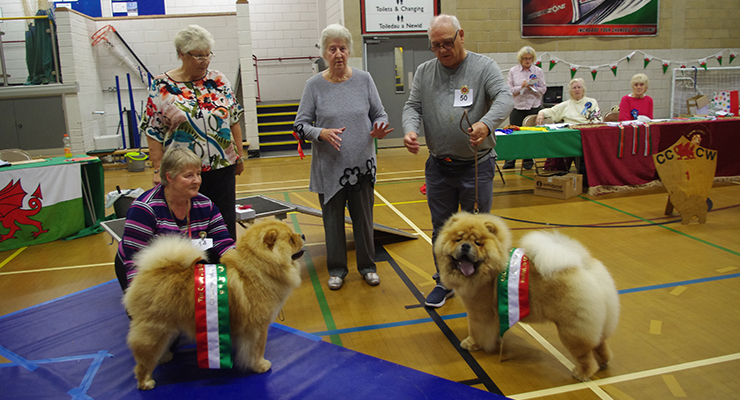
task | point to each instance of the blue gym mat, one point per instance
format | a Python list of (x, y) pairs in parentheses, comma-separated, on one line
[(74, 347)]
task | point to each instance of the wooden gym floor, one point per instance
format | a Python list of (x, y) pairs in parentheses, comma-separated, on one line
[(679, 285)]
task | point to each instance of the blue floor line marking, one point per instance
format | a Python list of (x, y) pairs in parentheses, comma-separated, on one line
[(81, 391), (674, 284), (58, 298), (388, 325), (56, 360), (16, 360), (306, 335), (462, 315)]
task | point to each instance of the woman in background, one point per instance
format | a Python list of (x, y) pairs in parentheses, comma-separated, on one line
[(579, 109), (194, 107), (341, 113), (527, 84), (636, 103)]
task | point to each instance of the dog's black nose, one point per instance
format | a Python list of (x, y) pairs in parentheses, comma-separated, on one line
[(466, 247), (303, 237)]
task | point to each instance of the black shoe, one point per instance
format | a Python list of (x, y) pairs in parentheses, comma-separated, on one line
[(509, 164), (438, 296), (527, 164)]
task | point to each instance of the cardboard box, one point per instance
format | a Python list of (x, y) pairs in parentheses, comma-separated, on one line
[(698, 105), (558, 187)]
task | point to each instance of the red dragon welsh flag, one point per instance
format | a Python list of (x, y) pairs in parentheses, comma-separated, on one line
[(39, 205)]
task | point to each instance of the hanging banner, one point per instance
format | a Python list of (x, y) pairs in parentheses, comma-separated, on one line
[(566, 18), (397, 16)]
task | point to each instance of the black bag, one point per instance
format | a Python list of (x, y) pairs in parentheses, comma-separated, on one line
[(452, 168)]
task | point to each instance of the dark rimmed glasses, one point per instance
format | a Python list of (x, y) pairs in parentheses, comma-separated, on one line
[(447, 45)]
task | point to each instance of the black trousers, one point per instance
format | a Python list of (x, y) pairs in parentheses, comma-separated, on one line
[(517, 118), (219, 185)]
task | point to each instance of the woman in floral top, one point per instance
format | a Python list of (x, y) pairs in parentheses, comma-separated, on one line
[(194, 107)]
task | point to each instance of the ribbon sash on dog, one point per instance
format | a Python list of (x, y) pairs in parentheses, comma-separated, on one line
[(212, 327), (513, 291)]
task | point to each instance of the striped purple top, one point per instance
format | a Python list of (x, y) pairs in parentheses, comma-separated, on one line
[(149, 216)]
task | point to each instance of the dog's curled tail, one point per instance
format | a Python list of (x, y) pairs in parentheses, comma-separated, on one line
[(555, 251), (167, 250)]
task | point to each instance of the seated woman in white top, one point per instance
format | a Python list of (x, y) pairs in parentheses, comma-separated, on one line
[(579, 109)]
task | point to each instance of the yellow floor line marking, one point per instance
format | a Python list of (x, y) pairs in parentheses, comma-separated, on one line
[(618, 394), (416, 171), (12, 256), (405, 178), (673, 385), (563, 360), (303, 187), (307, 201), (409, 265), (628, 377), (271, 183), (404, 202), (655, 327), (277, 189), (56, 269), (678, 290), (403, 217), (728, 269)]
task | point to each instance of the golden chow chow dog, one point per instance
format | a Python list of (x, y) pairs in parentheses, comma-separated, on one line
[(261, 273), (566, 286)]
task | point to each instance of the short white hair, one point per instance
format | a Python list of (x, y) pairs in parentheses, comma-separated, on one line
[(193, 37), (336, 31), (525, 50), (579, 80), (443, 19)]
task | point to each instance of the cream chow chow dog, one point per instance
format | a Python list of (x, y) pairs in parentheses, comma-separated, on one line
[(261, 272), (566, 286)]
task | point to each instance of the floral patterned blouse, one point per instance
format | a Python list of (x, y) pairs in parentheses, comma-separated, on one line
[(197, 115)]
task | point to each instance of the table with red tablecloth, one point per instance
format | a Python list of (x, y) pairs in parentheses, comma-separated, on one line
[(616, 159)]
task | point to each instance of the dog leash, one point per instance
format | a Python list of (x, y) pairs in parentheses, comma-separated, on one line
[(475, 156)]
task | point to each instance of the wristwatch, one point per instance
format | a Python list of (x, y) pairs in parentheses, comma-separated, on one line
[(239, 160)]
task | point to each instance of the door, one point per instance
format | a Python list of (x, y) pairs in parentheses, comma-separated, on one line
[(392, 62)]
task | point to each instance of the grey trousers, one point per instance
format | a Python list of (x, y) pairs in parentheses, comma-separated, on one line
[(360, 206), (445, 196)]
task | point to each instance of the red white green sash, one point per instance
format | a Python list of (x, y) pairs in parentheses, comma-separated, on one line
[(635, 139), (212, 327), (513, 291)]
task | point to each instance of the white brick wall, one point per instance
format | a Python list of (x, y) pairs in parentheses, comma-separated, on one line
[(266, 29), (608, 89)]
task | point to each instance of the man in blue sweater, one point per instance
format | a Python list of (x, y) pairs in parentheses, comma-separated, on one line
[(444, 88)]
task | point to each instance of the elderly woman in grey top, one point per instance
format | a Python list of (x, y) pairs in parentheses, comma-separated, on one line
[(341, 114)]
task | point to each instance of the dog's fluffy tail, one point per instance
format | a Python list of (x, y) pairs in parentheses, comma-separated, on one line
[(168, 250), (554, 251)]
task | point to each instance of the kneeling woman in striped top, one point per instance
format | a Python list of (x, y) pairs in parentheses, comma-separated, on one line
[(172, 207)]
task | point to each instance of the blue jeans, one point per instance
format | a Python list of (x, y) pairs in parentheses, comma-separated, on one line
[(445, 196)]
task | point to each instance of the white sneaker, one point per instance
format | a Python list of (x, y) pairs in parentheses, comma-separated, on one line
[(335, 282), (372, 279)]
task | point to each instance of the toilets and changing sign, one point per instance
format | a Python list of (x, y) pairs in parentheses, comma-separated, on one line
[(397, 16)]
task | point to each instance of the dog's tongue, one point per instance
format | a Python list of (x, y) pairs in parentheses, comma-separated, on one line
[(466, 267)]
